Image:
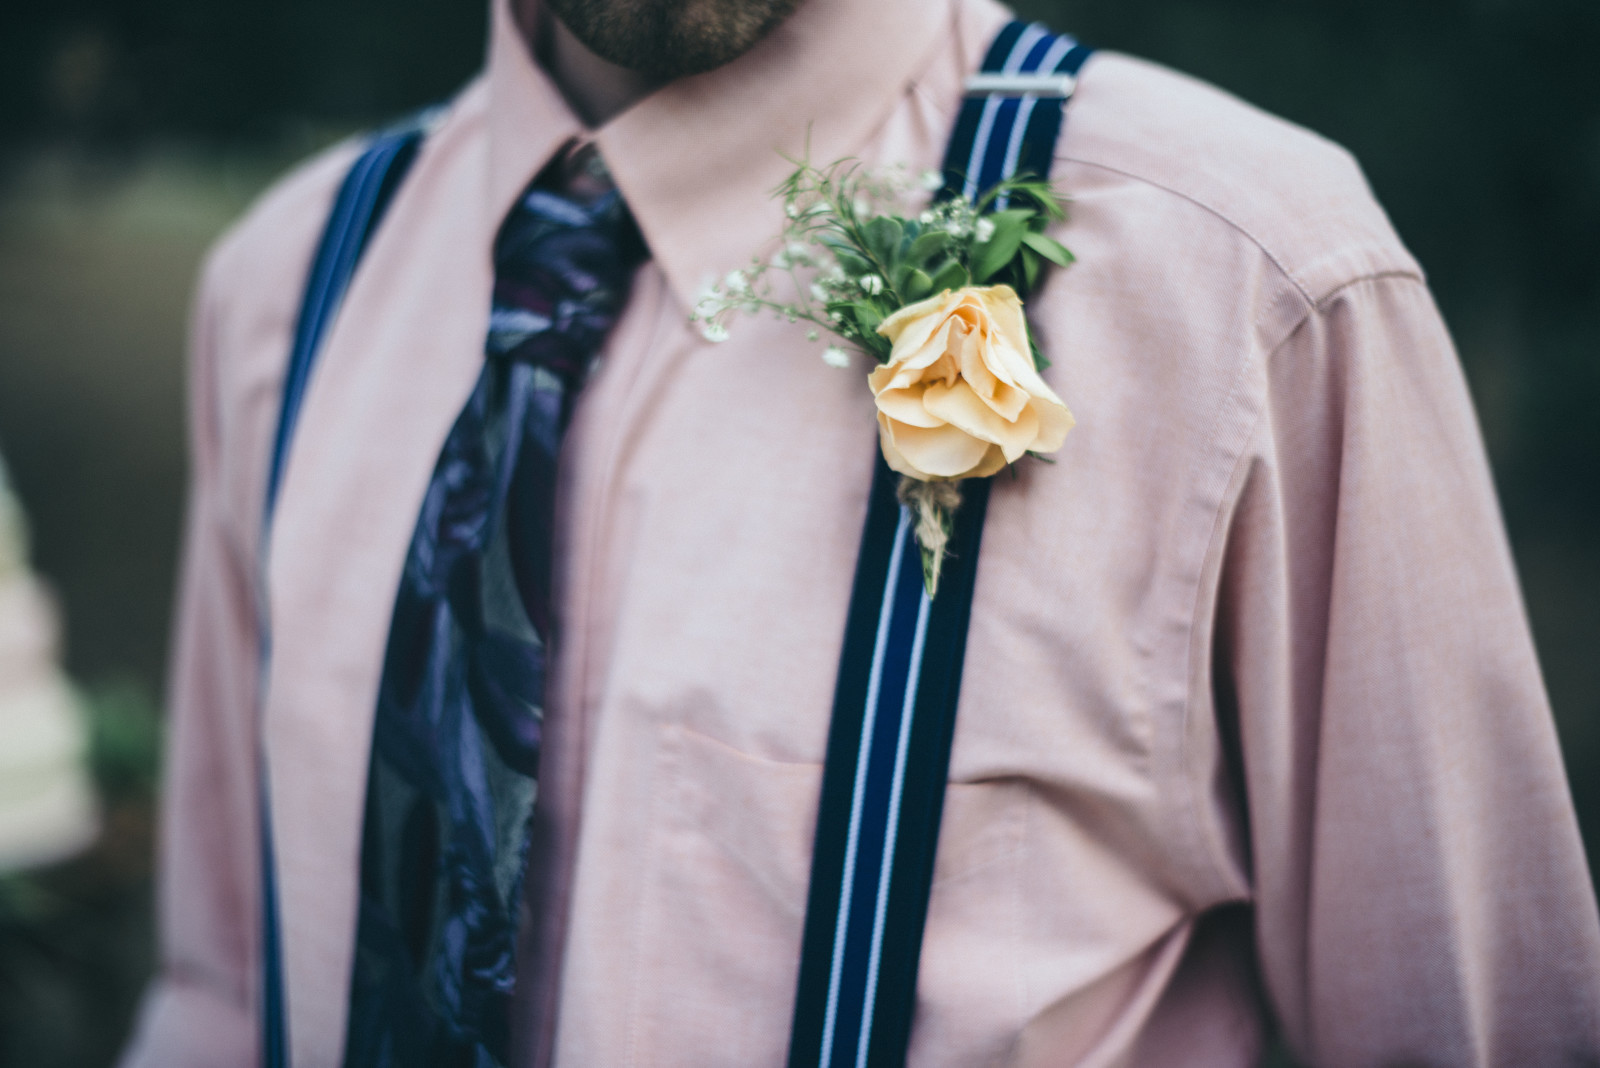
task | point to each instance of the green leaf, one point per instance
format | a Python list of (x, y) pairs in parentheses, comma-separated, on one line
[(1039, 361), (878, 346), (854, 265), (902, 275), (1036, 192), (866, 316), (927, 246), (918, 285), (950, 276), (883, 240), (1049, 248), (1014, 215), (852, 257), (989, 258), (1030, 268)]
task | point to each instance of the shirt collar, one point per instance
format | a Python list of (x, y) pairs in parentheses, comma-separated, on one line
[(698, 159)]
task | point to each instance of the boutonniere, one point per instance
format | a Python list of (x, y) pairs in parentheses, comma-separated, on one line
[(935, 298)]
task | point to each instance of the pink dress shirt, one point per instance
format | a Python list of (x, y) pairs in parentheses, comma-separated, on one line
[(1251, 734)]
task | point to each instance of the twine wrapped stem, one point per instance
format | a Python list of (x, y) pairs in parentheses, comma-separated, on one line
[(933, 505)]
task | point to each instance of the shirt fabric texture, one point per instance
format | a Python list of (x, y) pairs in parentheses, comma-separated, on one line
[(1251, 734)]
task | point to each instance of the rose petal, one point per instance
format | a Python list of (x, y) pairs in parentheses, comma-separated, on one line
[(1020, 369), (1054, 422), (1009, 401), (881, 378), (905, 406), (1011, 358), (942, 452), (937, 347), (909, 368), (1027, 434), (973, 367), (911, 326), (1005, 307), (891, 455), (967, 412), (993, 461), (885, 379), (1005, 398)]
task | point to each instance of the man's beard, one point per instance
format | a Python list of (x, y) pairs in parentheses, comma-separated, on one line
[(669, 39)]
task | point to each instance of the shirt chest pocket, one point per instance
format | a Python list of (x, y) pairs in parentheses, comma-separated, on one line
[(723, 895)]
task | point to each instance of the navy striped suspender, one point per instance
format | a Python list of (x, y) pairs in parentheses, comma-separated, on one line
[(900, 673), (357, 209)]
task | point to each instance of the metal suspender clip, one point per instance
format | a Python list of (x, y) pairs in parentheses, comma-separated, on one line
[(1049, 86)]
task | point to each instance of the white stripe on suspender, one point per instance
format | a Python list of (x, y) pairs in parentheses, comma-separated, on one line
[(1019, 52), (852, 840), (886, 866), (1057, 52)]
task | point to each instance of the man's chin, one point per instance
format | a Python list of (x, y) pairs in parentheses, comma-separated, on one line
[(667, 39)]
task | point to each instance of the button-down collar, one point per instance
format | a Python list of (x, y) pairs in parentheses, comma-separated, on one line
[(829, 74)]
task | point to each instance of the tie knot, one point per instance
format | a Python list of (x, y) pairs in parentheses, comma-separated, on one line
[(563, 259), (579, 172)]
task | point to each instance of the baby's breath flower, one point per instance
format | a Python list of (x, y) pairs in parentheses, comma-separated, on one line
[(736, 282), (872, 284), (714, 331), (983, 230), (925, 218), (834, 356), (932, 181), (812, 335), (818, 293)]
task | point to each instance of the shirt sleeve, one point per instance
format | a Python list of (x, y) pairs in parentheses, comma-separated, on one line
[(201, 1008), (1421, 892)]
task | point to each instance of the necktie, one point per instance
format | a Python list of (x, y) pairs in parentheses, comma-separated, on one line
[(455, 751)]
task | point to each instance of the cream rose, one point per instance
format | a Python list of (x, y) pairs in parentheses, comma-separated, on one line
[(959, 397)]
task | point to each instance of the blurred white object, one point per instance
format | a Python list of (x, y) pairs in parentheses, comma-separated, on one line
[(47, 808)]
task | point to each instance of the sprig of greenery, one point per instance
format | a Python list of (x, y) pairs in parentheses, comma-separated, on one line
[(853, 256)]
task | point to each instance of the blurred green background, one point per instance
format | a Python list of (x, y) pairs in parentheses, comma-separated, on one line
[(131, 131)]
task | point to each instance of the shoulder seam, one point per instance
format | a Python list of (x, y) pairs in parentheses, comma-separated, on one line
[(1321, 304), (1374, 276), (1283, 269), (1311, 299)]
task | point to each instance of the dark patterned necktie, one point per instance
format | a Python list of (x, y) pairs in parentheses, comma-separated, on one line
[(455, 749)]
